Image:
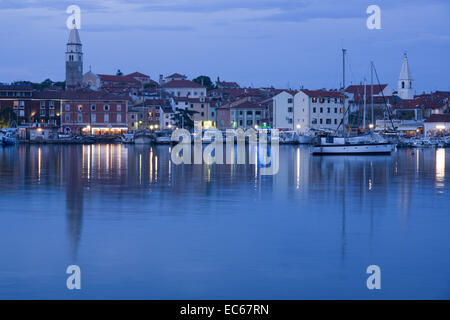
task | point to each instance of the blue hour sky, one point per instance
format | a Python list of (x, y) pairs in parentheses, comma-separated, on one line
[(284, 43)]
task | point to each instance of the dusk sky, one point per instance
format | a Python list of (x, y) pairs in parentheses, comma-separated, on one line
[(284, 43)]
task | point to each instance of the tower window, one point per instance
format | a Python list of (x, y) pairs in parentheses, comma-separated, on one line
[(403, 84)]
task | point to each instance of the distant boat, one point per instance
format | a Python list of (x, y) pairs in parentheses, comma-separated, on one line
[(6, 139), (163, 137), (128, 138), (342, 146), (142, 137)]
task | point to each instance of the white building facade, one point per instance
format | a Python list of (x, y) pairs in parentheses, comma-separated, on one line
[(283, 111), (319, 109)]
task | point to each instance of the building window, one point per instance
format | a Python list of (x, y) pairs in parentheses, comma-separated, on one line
[(403, 84), (106, 107), (21, 104), (67, 107), (314, 100), (335, 110), (314, 121), (314, 110), (51, 104), (119, 107), (321, 100), (42, 104), (132, 116), (119, 118), (321, 110), (106, 118), (80, 107), (202, 114), (67, 117), (289, 109), (321, 120), (93, 118), (192, 105), (80, 118), (202, 105), (195, 93), (335, 121), (328, 110), (93, 107), (328, 121), (289, 100), (42, 113), (52, 113)]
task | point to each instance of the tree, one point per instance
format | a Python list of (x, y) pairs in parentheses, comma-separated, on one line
[(119, 73), (205, 81), (182, 118), (150, 85), (7, 115)]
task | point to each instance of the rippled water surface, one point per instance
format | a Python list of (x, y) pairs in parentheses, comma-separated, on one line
[(142, 227)]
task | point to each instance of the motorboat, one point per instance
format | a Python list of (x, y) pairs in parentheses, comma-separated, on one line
[(163, 137), (332, 145)]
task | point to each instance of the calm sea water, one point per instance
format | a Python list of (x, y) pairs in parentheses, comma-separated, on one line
[(142, 227)]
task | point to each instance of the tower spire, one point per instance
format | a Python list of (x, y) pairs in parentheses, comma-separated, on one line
[(405, 80), (74, 60)]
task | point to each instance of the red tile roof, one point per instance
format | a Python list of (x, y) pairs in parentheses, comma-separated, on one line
[(176, 75), (137, 74), (112, 78), (322, 93), (248, 105), (182, 84), (438, 118)]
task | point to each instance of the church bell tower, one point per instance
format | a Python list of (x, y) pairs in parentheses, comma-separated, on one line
[(74, 61), (405, 81)]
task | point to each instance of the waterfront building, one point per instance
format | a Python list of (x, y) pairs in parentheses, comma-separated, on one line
[(423, 106), (200, 105), (74, 61), (166, 118), (437, 124), (319, 109), (282, 116), (95, 112), (405, 81), (31, 107), (247, 114), (147, 115), (179, 86)]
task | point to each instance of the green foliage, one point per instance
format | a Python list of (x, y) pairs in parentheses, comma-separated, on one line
[(119, 73), (205, 81), (7, 115), (150, 85), (43, 85), (183, 118)]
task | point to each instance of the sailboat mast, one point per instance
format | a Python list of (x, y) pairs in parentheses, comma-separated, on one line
[(371, 92), (365, 102), (343, 89)]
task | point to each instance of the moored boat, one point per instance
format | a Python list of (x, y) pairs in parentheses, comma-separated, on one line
[(142, 137), (342, 146)]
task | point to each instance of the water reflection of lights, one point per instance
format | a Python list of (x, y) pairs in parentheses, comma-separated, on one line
[(140, 168), (440, 167), (39, 164), (151, 166), (298, 168)]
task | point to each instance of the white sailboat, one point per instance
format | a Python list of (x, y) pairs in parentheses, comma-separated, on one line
[(360, 145)]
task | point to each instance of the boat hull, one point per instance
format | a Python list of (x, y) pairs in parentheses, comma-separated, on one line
[(354, 149), (142, 140)]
